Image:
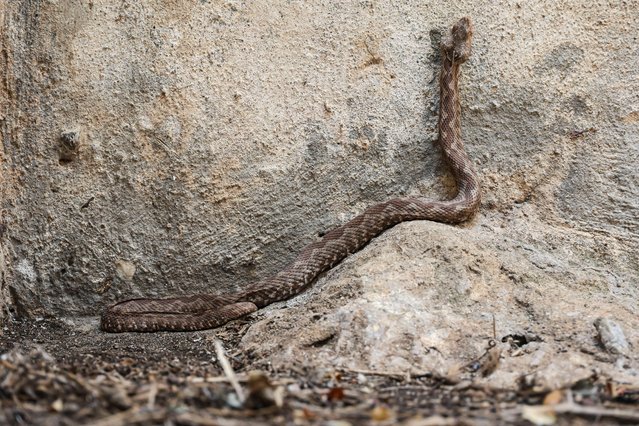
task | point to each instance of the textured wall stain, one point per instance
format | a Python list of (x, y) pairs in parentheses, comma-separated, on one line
[(27, 271)]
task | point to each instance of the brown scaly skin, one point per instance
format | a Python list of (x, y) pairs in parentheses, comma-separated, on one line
[(205, 311)]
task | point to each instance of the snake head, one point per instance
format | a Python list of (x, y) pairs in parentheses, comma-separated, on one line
[(457, 45)]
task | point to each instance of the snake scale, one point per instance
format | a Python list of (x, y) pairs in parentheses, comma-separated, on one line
[(205, 311)]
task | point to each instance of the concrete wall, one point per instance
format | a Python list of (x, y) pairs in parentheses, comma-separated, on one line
[(168, 147)]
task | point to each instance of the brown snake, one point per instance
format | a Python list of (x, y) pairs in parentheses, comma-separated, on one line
[(204, 311)]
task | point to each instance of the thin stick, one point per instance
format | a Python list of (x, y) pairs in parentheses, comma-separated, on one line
[(397, 375), (494, 328), (228, 370), (153, 392), (242, 378), (580, 410)]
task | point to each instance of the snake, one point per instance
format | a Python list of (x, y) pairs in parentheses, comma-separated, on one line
[(206, 311)]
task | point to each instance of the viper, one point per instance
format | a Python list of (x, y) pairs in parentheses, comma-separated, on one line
[(203, 311)]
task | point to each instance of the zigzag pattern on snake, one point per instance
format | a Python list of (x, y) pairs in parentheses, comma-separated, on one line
[(205, 311)]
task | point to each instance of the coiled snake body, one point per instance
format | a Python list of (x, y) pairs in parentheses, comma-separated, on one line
[(205, 311)]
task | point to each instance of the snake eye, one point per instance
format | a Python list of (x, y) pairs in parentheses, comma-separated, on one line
[(459, 55)]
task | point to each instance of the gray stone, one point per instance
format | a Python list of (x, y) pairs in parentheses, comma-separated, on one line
[(611, 336)]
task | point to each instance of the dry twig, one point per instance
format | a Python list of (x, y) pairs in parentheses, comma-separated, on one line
[(228, 370)]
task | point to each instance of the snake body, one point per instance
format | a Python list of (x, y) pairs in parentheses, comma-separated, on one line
[(204, 311)]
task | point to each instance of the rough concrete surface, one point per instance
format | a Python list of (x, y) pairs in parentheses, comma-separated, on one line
[(155, 148)]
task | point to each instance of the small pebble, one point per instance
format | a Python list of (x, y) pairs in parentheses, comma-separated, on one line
[(611, 336)]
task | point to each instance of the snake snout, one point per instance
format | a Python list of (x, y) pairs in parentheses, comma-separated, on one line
[(460, 39)]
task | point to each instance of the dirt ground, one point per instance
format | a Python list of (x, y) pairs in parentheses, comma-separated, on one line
[(55, 373)]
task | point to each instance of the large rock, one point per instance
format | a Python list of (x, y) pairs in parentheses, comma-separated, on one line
[(425, 297)]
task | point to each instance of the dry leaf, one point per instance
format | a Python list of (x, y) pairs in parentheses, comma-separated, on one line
[(554, 397), (261, 392), (454, 373), (623, 393), (258, 382), (335, 394), (381, 414), (490, 362), (304, 415), (538, 415), (57, 405), (433, 421), (127, 362)]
